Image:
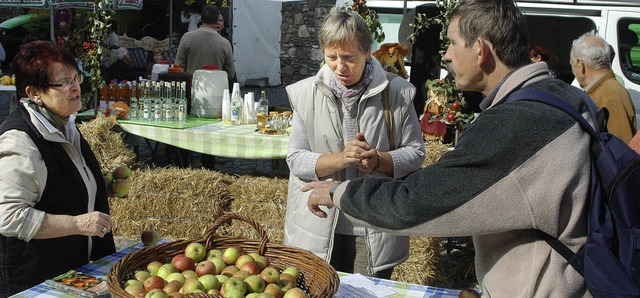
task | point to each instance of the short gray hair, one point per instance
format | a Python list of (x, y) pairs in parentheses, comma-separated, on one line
[(341, 27), (593, 50)]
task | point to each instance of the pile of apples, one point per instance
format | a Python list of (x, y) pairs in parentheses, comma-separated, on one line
[(117, 181), (228, 273)]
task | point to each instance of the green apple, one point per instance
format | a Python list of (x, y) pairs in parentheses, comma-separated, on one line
[(121, 172), (131, 282), (196, 251), (229, 270), (209, 281), (233, 293), (108, 177), (295, 293), (165, 270), (120, 187), (141, 275), (176, 276), (153, 267), (235, 284), (172, 287), (189, 273), (254, 284), (270, 275), (262, 261), (156, 293), (286, 284), (214, 253), (219, 263), (192, 285), (135, 290), (293, 271), (222, 278), (231, 255)]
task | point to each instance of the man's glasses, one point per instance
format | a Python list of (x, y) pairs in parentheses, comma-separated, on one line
[(78, 78)]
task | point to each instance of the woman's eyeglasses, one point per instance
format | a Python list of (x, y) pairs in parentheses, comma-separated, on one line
[(78, 78)]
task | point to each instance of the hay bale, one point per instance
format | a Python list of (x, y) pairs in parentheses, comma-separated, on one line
[(107, 145), (262, 199), (433, 152), (422, 266), (178, 203)]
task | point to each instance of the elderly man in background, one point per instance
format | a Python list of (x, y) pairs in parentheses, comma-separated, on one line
[(591, 64), (206, 46)]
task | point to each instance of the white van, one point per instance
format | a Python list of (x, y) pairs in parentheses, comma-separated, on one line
[(553, 24)]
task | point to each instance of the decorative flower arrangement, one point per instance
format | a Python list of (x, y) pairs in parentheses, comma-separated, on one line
[(444, 106), (370, 17)]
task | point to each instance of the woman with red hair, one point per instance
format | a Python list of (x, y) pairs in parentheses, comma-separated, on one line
[(539, 53), (54, 212)]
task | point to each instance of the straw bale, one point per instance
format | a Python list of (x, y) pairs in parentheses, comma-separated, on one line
[(422, 266), (433, 152), (178, 203), (264, 200), (107, 145)]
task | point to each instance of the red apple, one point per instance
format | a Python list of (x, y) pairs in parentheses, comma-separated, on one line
[(243, 259), (154, 282), (242, 274), (451, 117), (150, 237), (229, 270), (205, 267), (274, 290), (468, 293), (289, 277), (455, 106), (251, 267), (182, 262), (172, 287), (270, 275), (295, 293)]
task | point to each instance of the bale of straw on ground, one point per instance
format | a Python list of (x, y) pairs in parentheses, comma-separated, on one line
[(264, 200), (107, 145), (178, 203), (422, 266)]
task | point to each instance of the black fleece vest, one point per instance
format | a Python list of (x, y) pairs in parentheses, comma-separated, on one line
[(26, 264)]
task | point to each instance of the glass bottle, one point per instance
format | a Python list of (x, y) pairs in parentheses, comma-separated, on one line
[(236, 108), (182, 103), (263, 111)]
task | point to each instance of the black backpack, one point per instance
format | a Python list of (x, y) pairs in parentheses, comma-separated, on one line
[(610, 259)]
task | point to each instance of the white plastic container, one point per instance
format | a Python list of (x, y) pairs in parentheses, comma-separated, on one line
[(206, 92), (158, 68), (226, 106)]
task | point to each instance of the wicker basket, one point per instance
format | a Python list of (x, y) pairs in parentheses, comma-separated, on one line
[(317, 277)]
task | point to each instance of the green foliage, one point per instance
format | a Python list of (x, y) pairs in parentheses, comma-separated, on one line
[(96, 27), (423, 23), (370, 18)]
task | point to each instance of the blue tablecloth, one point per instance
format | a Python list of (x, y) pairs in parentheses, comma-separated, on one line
[(101, 268)]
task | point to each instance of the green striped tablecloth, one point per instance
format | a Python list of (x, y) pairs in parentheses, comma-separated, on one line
[(213, 137)]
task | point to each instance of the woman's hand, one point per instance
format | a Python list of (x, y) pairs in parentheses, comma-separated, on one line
[(93, 224), (353, 152)]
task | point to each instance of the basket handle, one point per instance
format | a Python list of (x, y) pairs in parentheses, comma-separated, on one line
[(264, 237)]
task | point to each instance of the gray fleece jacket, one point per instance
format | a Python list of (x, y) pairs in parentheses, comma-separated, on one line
[(520, 166)]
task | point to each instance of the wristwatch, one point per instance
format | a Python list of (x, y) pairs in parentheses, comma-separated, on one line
[(333, 190)]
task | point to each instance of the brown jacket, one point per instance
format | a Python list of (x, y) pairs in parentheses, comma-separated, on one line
[(608, 92)]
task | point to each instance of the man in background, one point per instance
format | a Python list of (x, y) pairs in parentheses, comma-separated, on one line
[(206, 46), (590, 61)]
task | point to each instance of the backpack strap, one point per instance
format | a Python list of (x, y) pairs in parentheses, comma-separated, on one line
[(527, 94), (388, 114), (555, 101)]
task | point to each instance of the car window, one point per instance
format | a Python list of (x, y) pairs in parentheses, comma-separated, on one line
[(628, 48)]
